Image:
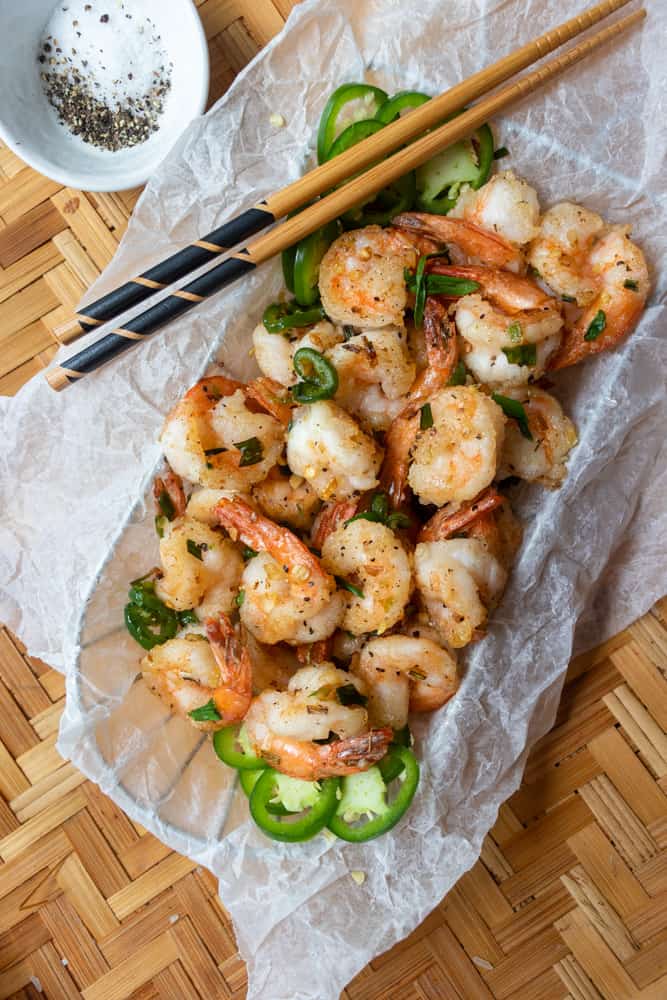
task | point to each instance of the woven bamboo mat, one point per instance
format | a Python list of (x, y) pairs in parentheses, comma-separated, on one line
[(569, 899)]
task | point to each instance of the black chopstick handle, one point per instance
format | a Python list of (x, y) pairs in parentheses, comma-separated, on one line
[(180, 264), (147, 322)]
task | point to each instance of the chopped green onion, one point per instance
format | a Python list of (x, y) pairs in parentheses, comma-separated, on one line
[(524, 354), (195, 550), (205, 713), (251, 450), (348, 695), (398, 520), (458, 376), (187, 617), (440, 284), (420, 291), (568, 298), (515, 332), (214, 451), (426, 417), (597, 326), (240, 598), (632, 285), (166, 505), (248, 553), (160, 524), (346, 585), (501, 152), (514, 409), (533, 272)]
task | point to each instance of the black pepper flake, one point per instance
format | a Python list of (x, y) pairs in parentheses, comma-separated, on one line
[(104, 19)]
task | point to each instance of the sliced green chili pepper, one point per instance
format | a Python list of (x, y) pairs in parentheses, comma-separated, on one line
[(524, 354), (319, 377), (405, 100), (283, 316), (248, 780), (339, 112), (287, 262), (391, 765), (597, 326), (380, 209), (466, 162), (233, 748), (365, 795), (317, 801), (307, 258), (514, 409)]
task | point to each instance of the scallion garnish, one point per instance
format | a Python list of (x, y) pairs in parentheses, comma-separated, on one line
[(205, 713), (597, 326), (524, 354), (632, 285), (251, 450), (348, 695), (166, 505), (195, 550), (240, 598), (515, 332), (514, 409), (346, 585), (426, 417), (458, 376)]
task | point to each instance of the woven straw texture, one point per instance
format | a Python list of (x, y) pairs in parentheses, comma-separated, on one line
[(569, 899)]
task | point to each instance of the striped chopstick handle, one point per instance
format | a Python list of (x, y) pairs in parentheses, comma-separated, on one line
[(174, 305), (185, 261)]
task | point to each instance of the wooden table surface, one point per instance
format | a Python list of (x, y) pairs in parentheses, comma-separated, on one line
[(569, 898)]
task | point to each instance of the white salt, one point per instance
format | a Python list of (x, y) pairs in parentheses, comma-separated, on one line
[(114, 46)]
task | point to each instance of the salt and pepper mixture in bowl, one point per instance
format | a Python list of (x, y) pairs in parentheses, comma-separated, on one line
[(333, 532), (105, 71)]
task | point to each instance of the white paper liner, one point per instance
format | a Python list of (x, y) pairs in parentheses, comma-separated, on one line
[(74, 469)]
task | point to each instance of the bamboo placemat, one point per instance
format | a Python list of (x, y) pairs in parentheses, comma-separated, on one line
[(569, 899)]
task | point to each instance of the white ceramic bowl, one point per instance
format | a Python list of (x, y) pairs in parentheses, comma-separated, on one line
[(30, 126)]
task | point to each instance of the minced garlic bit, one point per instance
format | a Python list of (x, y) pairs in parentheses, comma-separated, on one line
[(359, 877), (277, 120)]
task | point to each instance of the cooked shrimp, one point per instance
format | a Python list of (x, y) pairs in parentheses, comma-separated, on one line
[(459, 581), (506, 205), (203, 435), (369, 556), (507, 313), (404, 672), (362, 283), (189, 672), (457, 457), (203, 501), (287, 595), (282, 726), (542, 459), (488, 518), (597, 266), (375, 370), (272, 666), (327, 447), (287, 499), (442, 355), (474, 243), (201, 568), (274, 353)]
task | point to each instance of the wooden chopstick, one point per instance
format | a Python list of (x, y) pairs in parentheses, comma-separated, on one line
[(328, 175), (330, 207)]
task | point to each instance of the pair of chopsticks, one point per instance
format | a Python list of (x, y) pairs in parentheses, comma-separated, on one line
[(409, 129)]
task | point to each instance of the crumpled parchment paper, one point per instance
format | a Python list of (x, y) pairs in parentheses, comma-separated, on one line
[(75, 468)]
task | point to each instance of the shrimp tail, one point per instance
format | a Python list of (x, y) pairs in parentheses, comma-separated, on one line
[(331, 517), (172, 485), (471, 239), (356, 753), (271, 397), (232, 697), (444, 524)]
